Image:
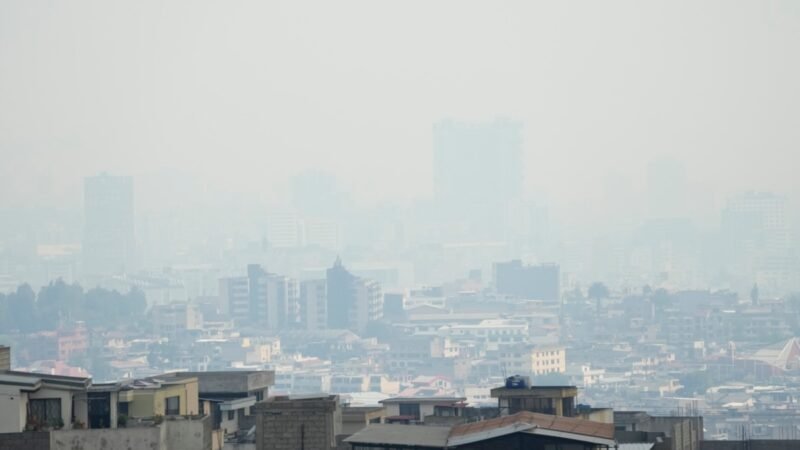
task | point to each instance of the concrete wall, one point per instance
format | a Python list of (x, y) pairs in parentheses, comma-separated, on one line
[(602, 415), (187, 434), (173, 434), (686, 432), (143, 404), (26, 441), (751, 445), (12, 409), (246, 446), (145, 438)]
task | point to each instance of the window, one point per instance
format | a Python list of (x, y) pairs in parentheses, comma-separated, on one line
[(259, 396), (231, 414), (172, 406), (410, 409), (45, 411), (122, 408)]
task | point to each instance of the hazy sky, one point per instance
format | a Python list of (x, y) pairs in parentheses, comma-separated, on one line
[(243, 94)]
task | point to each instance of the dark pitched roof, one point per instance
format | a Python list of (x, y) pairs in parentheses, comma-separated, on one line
[(522, 422), (537, 424)]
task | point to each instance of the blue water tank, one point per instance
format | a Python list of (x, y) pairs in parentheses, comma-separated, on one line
[(516, 382)]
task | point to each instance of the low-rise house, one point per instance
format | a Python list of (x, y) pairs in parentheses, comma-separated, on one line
[(356, 418), (412, 410), (37, 401), (228, 396), (515, 397), (159, 396)]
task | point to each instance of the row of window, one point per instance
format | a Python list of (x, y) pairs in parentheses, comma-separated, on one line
[(47, 411)]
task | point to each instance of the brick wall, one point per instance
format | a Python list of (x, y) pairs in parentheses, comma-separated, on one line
[(297, 424)]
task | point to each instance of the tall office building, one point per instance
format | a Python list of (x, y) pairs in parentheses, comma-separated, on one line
[(261, 299), (234, 295), (478, 170), (539, 282), (273, 298), (757, 220), (353, 302), (313, 305), (758, 242), (109, 245)]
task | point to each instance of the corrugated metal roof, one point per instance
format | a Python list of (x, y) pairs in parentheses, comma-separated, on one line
[(546, 421), (636, 446), (408, 435), (524, 422)]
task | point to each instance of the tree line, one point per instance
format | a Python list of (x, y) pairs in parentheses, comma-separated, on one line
[(60, 303)]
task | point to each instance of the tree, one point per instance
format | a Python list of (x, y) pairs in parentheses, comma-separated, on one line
[(22, 309), (59, 301), (597, 292)]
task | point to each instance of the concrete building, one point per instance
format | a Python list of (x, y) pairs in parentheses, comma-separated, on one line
[(532, 360), (539, 282), (302, 422), (229, 396), (234, 293), (416, 410), (673, 432), (352, 302), (260, 299), (553, 400), (175, 318), (159, 396), (109, 243), (34, 402), (273, 298), (313, 304), (356, 418)]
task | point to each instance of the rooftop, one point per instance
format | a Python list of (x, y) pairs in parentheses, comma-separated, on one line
[(524, 422), (433, 399), (53, 380), (406, 435), (539, 422)]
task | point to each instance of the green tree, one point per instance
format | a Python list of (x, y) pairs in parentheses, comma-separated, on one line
[(22, 309), (58, 302)]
